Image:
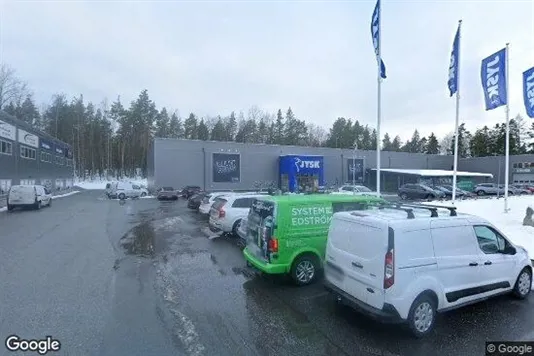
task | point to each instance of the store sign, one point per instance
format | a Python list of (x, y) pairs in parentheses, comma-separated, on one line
[(355, 170), (226, 167), (46, 145), (466, 184), (307, 164), (28, 139), (8, 131), (311, 215), (523, 170)]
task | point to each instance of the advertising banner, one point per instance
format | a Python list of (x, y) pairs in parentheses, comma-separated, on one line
[(29, 139), (226, 167), (8, 131), (355, 170)]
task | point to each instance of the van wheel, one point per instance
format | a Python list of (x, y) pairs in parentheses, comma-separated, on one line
[(304, 269), (422, 315), (236, 227), (523, 284)]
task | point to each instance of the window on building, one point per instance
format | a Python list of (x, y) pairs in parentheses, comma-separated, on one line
[(520, 165), (6, 147), (28, 153), (514, 165), (46, 157)]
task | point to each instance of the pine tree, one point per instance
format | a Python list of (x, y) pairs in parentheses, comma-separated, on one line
[(230, 128), (432, 145), (191, 127), (218, 132), (176, 129), (386, 143), (203, 133), (396, 144), (279, 129), (162, 123)]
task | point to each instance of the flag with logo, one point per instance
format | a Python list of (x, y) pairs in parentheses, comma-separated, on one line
[(453, 66), (528, 91), (493, 76), (375, 33)]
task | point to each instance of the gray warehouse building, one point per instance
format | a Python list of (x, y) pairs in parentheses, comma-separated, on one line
[(29, 156), (215, 165)]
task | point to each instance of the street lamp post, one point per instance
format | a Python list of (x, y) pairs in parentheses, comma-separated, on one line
[(354, 167)]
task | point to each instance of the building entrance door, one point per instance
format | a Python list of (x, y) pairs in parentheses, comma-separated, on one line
[(308, 183)]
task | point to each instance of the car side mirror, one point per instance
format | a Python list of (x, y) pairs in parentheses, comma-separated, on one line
[(509, 250)]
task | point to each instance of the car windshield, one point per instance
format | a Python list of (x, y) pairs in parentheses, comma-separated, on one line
[(167, 189)]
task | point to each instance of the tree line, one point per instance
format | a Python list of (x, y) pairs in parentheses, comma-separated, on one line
[(114, 138)]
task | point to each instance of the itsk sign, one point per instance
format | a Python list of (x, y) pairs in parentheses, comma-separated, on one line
[(306, 164), (311, 215)]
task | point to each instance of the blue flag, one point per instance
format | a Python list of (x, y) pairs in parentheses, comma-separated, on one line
[(453, 66), (375, 26), (493, 75), (528, 91)]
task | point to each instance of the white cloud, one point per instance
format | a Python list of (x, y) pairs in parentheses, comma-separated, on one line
[(212, 58)]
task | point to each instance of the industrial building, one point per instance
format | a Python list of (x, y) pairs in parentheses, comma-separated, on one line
[(215, 165), (29, 156)]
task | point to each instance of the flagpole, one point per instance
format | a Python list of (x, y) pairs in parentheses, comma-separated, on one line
[(507, 149), (379, 102), (457, 123)]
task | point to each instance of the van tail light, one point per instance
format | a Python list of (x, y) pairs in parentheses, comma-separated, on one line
[(389, 269), (273, 244)]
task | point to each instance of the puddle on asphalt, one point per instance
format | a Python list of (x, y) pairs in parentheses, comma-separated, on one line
[(140, 240)]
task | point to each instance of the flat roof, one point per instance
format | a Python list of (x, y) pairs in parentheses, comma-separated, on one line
[(434, 172)]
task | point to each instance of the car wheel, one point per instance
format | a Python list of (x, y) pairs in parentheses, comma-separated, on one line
[(236, 227), (143, 194), (38, 205), (523, 284), (122, 196), (304, 270), (404, 196), (481, 192), (422, 316)]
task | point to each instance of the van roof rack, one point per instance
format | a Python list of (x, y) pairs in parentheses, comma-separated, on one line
[(433, 208), (408, 210)]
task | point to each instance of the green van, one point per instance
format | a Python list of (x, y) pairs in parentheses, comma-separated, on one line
[(287, 234)]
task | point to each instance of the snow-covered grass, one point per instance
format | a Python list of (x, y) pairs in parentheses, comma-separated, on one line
[(100, 184), (510, 223), (54, 197)]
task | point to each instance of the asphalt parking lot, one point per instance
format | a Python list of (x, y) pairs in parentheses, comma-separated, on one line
[(142, 279)]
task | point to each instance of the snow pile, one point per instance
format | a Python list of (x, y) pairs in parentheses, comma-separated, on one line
[(511, 223), (100, 184)]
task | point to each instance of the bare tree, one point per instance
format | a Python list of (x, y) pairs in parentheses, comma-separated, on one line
[(12, 89), (445, 144)]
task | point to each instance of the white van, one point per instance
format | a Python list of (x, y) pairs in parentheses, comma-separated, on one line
[(406, 262), (34, 196), (124, 190)]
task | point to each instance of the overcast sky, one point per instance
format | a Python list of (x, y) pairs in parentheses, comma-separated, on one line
[(317, 57)]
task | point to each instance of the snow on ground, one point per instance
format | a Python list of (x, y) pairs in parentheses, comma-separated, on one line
[(100, 184), (510, 223), (54, 197)]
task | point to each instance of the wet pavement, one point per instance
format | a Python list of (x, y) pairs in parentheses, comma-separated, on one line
[(142, 279)]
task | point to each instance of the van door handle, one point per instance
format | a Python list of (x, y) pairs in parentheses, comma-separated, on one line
[(487, 263), (356, 264), (472, 264)]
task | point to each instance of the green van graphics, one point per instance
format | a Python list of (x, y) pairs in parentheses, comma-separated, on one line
[(287, 234)]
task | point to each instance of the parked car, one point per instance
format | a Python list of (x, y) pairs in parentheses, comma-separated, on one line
[(189, 190), (167, 193), (519, 190), (401, 264), (123, 190), (419, 191), (287, 234), (528, 187), (463, 193), (242, 231), (488, 189), (34, 196), (228, 211), (208, 200), (448, 191), (194, 201), (354, 190)]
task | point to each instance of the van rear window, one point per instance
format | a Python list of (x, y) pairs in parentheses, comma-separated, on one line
[(263, 208)]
